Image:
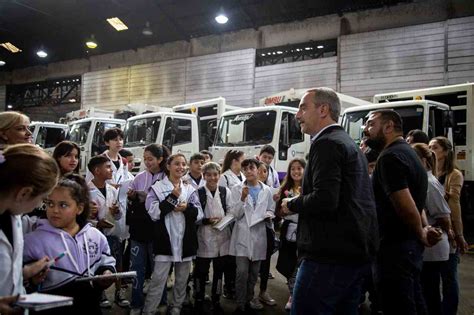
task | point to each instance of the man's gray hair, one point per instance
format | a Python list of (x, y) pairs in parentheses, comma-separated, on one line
[(211, 166), (324, 95)]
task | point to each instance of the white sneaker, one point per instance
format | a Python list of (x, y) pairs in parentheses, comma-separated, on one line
[(288, 304), (265, 298), (104, 302), (120, 299), (255, 304)]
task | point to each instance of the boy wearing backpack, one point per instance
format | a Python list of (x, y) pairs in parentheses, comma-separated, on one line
[(213, 244)]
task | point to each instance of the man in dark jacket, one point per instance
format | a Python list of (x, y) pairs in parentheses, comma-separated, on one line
[(337, 229)]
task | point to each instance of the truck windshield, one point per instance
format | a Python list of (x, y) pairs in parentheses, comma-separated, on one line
[(141, 131), (79, 132), (246, 129), (354, 122)]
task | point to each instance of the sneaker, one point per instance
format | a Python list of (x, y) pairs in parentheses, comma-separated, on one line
[(255, 304), (104, 302), (146, 286), (120, 299), (271, 276), (288, 304), (264, 297)]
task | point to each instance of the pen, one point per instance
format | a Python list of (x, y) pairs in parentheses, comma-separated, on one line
[(52, 262)]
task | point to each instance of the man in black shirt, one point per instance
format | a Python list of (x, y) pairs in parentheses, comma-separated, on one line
[(400, 187)]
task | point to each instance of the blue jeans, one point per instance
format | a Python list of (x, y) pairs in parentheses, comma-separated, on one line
[(400, 265), (322, 289), (141, 253), (449, 276)]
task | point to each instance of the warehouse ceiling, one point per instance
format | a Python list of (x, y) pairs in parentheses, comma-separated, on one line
[(61, 27)]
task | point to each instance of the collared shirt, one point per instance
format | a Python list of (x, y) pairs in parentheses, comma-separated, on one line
[(320, 131)]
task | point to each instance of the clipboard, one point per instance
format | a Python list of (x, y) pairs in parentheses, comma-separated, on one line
[(40, 301), (118, 275), (224, 222)]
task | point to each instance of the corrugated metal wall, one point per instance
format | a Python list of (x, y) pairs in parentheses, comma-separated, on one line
[(411, 57), (299, 75), (392, 60), (460, 50), (108, 89), (230, 75), (160, 83)]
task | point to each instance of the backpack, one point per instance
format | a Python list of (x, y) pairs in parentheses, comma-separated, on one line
[(203, 197)]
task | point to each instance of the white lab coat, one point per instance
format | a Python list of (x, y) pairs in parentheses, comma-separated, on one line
[(188, 179), (247, 241), (229, 179), (175, 222), (11, 260), (212, 242), (104, 203)]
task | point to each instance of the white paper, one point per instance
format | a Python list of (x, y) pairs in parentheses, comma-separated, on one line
[(122, 193), (225, 221)]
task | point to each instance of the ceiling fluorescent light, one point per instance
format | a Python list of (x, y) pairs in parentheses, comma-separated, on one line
[(10, 47), (2, 63), (117, 24)]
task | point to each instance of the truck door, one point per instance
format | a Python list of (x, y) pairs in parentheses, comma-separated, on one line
[(291, 143), (177, 136)]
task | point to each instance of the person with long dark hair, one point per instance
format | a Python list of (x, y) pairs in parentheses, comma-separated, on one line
[(452, 179), (287, 258), (67, 154)]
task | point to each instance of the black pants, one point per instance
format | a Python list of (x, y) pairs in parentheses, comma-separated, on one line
[(201, 270), (430, 283), (265, 265)]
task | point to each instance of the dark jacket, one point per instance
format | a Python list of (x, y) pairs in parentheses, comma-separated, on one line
[(161, 237), (337, 216)]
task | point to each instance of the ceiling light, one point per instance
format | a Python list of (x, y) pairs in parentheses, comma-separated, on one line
[(279, 52), (221, 18), (42, 54), (147, 31), (10, 47), (117, 24), (320, 47), (308, 48), (72, 100), (9, 106), (2, 63), (263, 55), (91, 43)]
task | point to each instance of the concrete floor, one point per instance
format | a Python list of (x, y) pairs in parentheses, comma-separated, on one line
[(278, 290)]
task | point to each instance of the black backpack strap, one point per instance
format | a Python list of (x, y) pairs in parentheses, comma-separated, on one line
[(223, 195)]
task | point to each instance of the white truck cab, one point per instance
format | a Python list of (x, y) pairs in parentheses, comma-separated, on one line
[(48, 134), (248, 130), (208, 113), (88, 134), (428, 116), (178, 132)]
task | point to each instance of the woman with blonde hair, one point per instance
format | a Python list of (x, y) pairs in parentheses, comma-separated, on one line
[(14, 129), (452, 179), (28, 175)]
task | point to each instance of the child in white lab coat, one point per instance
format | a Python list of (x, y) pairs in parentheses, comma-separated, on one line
[(252, 206), (175, 208), (110, 212)]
